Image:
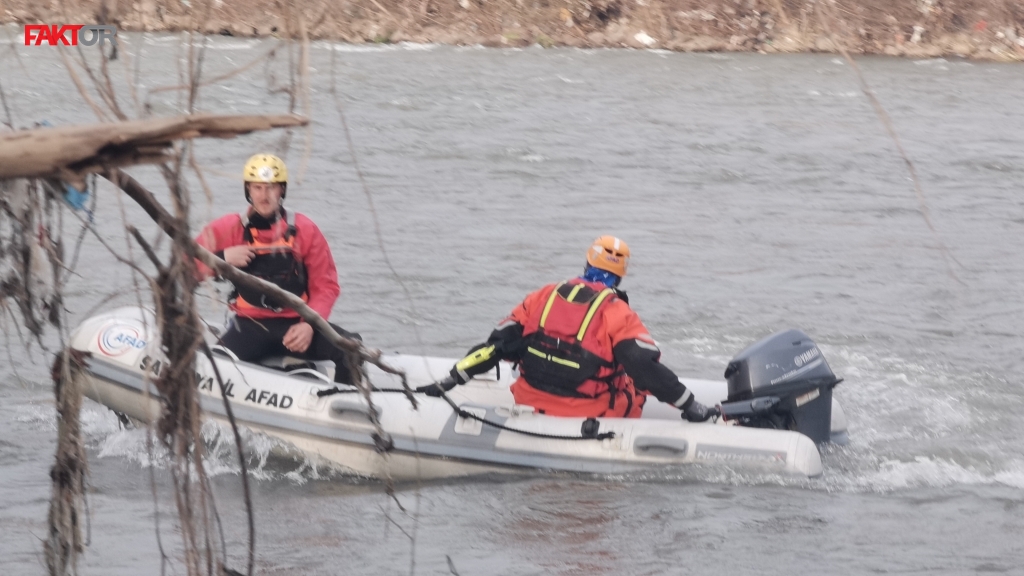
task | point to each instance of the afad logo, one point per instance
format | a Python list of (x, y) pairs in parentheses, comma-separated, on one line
[(69, 34), (117, 339)]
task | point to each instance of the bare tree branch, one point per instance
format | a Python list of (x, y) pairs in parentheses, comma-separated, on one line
[(72, 151)]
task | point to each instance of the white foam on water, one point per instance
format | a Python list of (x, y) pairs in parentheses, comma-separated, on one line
[(418, 47), (926, 472), (98, 421), (934, 63), (130, 445), (834, 94), (38, 416), (365, 48), (715, 474), (221, 458), (232, 45), (705, 348), (905, 418)]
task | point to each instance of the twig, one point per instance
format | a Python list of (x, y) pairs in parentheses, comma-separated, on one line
[(7, 109), (202, 179), (304, 89), (100, 114), (222, 77), (241, 462), (147, 249), (373, 210), (883, 116)]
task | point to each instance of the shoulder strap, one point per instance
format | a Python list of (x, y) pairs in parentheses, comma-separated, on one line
[(551, 301), (289, 219), (594, 305), (243, 217), (593, 310)]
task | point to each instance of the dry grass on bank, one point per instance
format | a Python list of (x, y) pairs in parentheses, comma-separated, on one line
[(988, 29)]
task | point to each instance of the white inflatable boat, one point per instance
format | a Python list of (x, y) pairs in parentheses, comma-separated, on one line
[(304, 407)]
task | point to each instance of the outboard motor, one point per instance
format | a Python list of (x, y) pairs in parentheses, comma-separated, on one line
[(782, 382)]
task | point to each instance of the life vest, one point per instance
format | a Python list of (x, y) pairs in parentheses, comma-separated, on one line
[(563, 354), (275, 262)]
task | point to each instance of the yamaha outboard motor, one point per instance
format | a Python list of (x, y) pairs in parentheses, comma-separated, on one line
[(782, 382)]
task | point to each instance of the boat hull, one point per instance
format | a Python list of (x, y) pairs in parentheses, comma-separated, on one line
[(430, 440)]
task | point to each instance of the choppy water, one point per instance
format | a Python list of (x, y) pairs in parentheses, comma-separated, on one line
[(757, 193)]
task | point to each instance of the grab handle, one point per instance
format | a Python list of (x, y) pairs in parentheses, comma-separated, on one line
[(655, 446), (309, 373), (349, 410)]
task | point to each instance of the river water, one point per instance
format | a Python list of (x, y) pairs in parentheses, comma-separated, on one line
[(757, 193)]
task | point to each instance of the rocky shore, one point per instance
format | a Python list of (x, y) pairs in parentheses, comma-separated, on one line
[(980, 29)]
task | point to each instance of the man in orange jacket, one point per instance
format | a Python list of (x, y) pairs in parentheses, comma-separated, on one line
[(582, 351), (284, 248)]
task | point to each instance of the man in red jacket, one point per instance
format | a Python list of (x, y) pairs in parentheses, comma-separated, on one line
[(283, 248), (582, 351)]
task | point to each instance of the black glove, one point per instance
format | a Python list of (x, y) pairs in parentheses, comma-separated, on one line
[(697, 412), (434, 389)]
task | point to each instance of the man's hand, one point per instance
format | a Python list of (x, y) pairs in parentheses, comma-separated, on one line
[(239, 256), (298, 337), (697, 412)]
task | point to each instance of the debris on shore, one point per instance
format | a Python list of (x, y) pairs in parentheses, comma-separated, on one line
[(987, 29)]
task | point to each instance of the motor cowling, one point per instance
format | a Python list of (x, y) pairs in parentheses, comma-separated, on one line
[(784, 382)]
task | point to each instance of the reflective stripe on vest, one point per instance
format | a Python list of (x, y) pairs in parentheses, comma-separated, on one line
[(590, 313), (555, 359)]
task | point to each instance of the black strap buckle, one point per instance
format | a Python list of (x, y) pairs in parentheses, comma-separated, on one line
[(590, 430)]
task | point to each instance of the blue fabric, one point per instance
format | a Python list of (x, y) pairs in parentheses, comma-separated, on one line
[(591, 274), (77, 198)]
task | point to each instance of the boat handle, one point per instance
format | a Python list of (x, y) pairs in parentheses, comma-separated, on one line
[(218, 350), (306, 372), (341, 407), (653, 444)]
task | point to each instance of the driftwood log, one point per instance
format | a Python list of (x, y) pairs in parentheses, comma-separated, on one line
[(71, 152)]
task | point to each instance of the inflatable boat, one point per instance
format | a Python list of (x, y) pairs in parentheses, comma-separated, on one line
[(776, 405)]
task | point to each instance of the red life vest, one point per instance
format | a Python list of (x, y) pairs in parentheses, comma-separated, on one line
[(563, 354), (274, 261)]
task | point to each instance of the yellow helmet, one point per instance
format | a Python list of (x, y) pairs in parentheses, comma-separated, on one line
[(265, 168), (610, 254)]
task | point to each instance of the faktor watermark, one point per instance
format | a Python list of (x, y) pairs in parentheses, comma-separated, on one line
[(70, 34)]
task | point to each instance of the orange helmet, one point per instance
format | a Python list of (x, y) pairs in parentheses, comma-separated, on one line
[(610, 254)]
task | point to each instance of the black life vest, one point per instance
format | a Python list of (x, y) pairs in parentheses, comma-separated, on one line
[(274, 262), (562, 354)]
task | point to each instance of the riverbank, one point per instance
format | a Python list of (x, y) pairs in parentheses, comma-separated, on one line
[(985, 29)]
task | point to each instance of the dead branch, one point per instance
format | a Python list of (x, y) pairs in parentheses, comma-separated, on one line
[(216, 79), (64, 538), (71, 152), (827, 12)]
